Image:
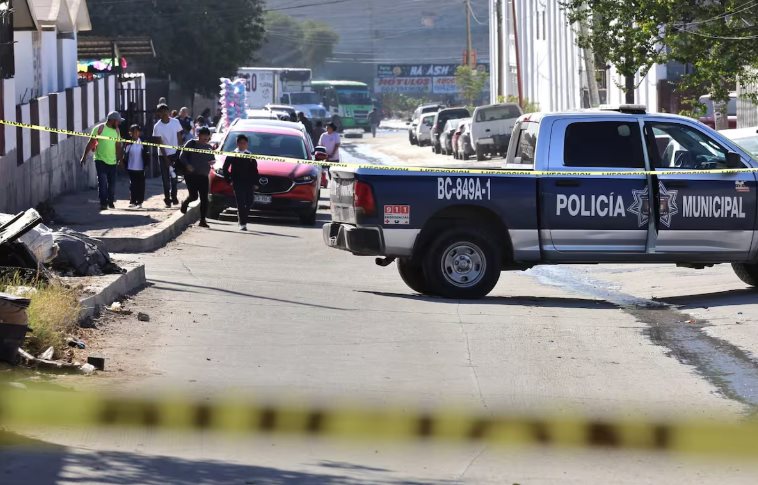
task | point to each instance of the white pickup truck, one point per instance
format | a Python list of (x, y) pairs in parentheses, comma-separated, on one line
[(491, 128)]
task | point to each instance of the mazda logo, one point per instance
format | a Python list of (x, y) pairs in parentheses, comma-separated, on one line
[(263, 181)]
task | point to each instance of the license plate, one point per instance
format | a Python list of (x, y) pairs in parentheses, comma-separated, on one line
[(262, 199)]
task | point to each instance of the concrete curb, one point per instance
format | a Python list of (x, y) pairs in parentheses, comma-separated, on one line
[(165, 232), (123, 285)]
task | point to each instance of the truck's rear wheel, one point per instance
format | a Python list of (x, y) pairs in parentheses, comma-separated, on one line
[(413, 275), (747, 272), (479, 153), (463, 262)]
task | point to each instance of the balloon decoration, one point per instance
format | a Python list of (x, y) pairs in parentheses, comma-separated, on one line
[(232, 100)]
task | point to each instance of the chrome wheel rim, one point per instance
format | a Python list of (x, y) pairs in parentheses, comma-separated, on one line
[(463, 264)]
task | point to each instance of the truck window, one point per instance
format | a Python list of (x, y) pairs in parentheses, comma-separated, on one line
[(497, 113), (603, 144), (685, 147), (527, 143)]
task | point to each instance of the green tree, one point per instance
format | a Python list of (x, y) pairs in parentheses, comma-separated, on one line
[(626, 33), (196, 42), (470, 82), (719, 40), (290, 43), (716, 39)]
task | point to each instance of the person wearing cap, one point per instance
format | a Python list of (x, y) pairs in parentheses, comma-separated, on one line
[(108, 151), (168, 131)]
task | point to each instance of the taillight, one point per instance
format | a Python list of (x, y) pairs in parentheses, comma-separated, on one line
[(364, 199)]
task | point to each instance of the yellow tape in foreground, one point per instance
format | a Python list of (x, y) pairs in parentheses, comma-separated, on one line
[(527, 171), (21, 409)]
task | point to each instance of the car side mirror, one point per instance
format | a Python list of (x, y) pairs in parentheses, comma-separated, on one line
[(733, 160)]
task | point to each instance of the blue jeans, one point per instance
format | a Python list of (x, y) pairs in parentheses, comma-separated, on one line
[(106, 182)]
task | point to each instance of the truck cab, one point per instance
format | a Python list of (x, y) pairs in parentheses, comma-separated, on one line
[(598, 186)]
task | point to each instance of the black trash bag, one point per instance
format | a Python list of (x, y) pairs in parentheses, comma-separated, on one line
[(82, 255)]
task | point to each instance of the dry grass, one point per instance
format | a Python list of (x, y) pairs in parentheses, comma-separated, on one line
[(53, 315)]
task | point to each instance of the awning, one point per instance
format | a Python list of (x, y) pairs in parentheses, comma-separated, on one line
[(93, 47), (22, 15)]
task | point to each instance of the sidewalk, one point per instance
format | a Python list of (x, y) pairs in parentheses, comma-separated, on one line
[(81, 211)]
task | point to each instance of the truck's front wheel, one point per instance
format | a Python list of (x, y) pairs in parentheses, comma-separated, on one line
[(463, 262), (413, 275), (747, 272)]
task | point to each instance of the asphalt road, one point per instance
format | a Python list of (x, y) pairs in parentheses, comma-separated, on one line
[(275, 312)]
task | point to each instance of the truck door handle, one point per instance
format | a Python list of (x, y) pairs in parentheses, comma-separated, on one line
[(676, 184), (567, 183)]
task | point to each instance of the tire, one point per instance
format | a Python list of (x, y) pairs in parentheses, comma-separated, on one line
[(748, 273), (479, 154), (309, 218), (478, 258), (412, 140), (215, 209), (465, 156), (412, 275), (437, 149)]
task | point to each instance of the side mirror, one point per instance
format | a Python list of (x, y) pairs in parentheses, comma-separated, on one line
[(733, 160)]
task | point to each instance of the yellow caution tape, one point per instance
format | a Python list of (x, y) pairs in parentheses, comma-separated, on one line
[(21, 409), (494, 171)]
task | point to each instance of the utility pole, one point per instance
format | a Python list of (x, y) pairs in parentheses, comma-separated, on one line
[(503, 69), (518, 55), (469, 56)]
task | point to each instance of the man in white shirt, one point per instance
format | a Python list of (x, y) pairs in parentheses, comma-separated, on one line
[(168, 131), (331, 141)]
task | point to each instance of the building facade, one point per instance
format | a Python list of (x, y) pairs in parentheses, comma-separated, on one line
[(40, 86), (553, 69)]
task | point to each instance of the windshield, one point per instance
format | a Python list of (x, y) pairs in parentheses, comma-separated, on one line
[(749, 144), (498, 113), (353, 96), (305, 98), (269, 144)]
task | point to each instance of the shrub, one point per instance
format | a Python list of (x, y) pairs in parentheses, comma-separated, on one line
[(53, 315)]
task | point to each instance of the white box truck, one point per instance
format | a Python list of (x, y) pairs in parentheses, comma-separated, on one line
[(278, 85)]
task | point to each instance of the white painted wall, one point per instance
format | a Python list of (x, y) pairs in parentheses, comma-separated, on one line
[(24, 53), (552, 67), (9, 113), (77, 108), (44, 120), (26, 135), (67, 75), (49, 62)]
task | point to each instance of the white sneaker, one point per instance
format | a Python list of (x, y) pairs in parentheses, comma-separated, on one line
[(139, 206), (132, 206), (243, 227)]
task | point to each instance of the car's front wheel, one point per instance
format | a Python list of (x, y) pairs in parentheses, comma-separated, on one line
[(463, 262), (309, 218), (747, 272), (480, 154), (215, 208)]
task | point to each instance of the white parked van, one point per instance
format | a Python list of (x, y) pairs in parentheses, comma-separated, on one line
[(491, 128), (424, 129)]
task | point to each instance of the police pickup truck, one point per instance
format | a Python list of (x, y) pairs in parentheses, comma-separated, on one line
[(605, 186)]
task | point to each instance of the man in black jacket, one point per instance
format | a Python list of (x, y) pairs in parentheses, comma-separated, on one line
[(243, 172)]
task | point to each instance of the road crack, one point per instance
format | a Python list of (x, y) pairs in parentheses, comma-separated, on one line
[(470, 361)]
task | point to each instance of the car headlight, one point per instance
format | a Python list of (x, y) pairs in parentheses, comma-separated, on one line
[(306, 179)]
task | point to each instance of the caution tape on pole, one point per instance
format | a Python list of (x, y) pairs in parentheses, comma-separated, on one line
[(528, 172), (20, 409)]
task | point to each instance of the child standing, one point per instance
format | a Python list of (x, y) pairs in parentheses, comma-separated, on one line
[(136, 158), (243, 171)]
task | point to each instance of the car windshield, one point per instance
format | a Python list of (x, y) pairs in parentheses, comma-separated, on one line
[(353, 96), (269, 144), (749, 144), (305, 98), (498, 113)]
